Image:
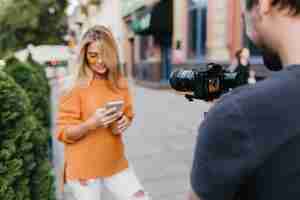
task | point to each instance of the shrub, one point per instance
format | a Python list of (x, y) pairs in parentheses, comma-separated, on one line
[(16, 156), (32, 79), (36, 123)]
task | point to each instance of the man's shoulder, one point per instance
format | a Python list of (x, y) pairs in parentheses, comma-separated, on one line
[(250, 96), (255, 92)]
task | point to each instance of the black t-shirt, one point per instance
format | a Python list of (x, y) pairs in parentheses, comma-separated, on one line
[(248, 147)]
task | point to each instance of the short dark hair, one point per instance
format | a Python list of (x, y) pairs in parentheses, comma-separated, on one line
[(292, 5)]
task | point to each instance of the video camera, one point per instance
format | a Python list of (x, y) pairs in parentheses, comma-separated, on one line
[(210, 83)]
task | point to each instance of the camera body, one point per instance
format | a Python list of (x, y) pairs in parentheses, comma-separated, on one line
[(210, 83)]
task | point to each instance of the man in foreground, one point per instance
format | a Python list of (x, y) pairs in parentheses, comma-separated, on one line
[(249, 143)]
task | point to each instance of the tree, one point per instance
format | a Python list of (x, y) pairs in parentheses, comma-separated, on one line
[(31, 22)]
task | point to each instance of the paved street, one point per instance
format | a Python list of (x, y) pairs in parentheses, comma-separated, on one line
[(160, 142)]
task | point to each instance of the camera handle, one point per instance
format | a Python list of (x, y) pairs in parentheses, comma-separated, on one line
[(190, 97)]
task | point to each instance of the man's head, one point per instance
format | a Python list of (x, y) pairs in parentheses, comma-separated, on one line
[(274, 26), (265, 18), (293, 5)]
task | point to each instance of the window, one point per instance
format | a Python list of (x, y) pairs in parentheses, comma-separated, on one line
[(255, 52), (192, 33), (197, 28), (146, 47)]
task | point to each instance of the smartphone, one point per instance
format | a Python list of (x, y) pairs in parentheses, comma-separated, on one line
[(115, 104)]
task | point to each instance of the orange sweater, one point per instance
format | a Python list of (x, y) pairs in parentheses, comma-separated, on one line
[(100, 153)]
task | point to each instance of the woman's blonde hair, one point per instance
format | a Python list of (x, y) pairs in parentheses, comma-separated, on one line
[(81, 73)]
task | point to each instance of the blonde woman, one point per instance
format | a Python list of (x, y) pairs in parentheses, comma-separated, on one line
[(91, 132)]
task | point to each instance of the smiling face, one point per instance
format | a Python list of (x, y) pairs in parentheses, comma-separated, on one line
[(97, 57), (94, 58)]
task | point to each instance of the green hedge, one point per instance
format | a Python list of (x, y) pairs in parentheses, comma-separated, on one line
[(16, 155), (32, 78), (45, 89), (33, 119)]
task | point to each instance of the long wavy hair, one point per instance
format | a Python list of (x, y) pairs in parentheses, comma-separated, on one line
[(81, 74)]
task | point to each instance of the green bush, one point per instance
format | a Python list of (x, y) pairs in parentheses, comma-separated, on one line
[(32, 79), (45, 88), (42, 180), (16, 156)]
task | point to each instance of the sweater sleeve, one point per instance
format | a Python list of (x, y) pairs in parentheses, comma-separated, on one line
[(69, 114)]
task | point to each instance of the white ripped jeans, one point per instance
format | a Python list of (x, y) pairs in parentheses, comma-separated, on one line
[(123, 186)]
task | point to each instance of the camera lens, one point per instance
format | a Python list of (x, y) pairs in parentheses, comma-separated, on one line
[(182, 80)]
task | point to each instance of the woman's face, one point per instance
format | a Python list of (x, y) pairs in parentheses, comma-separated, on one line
[(94, 59)]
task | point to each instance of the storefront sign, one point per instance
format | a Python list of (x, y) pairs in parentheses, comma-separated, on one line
[(141, 24), (129, 6)]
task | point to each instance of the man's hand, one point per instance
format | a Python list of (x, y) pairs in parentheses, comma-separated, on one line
[(192, 196)]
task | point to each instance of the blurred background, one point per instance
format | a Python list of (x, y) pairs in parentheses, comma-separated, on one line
[(155, 37)]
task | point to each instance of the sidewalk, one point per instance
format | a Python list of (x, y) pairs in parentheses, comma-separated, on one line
[(159, 143)]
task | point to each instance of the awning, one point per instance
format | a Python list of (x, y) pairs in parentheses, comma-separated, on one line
[(141, 26), (157, 21)]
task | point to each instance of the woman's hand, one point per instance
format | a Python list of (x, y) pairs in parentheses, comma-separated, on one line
[(103, 117), (121, 125)]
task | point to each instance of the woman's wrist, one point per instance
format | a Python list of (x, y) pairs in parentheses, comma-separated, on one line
[(90, 125), (75, 132)]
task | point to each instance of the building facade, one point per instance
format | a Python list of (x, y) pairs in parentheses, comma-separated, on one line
[(208, 30), (147, 39), (202, 31)]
